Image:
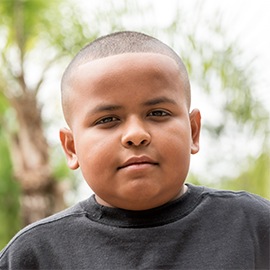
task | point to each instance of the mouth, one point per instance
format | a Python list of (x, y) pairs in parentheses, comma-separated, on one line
[(140, 161)]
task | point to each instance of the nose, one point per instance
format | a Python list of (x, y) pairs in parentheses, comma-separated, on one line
[(135, 134)]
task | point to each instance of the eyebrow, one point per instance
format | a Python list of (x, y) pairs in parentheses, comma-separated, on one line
[(159, 100), (113, 107), (107, 107)]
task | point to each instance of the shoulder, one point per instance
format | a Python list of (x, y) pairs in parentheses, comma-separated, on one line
[(46, 228), (63, 216), (240, 203), (237, 211), (232, 200), (241, 197)]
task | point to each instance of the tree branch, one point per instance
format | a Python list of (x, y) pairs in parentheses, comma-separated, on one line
[(46, 68)]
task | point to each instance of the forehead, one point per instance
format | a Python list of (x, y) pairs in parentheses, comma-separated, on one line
[(115, 69)]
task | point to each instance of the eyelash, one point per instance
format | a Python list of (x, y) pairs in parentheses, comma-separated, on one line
[(105, 120), (161, 113), (112, 119)]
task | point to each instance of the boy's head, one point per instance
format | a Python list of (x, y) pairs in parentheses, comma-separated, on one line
[(116, 44), (126, 99)]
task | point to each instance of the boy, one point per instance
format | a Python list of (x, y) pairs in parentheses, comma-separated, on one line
[(126, 100)]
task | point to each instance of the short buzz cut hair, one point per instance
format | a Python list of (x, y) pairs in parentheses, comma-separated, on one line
[(120, 43)]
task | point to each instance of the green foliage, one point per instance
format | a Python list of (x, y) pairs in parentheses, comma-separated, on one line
[(255, 179), (59, 165), (4, 104), (25, 20), (9, 192)]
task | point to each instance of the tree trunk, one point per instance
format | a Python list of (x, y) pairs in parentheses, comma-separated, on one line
[(41, 194)]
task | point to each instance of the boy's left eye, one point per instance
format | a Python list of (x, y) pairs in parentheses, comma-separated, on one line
[(158, 113)]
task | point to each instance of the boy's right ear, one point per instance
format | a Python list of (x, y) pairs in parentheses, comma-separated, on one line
[(67, 142)]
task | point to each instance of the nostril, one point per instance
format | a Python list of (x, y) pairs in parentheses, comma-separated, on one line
[(143, 142)]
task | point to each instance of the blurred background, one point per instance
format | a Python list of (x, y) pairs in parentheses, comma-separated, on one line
[(224, 44)]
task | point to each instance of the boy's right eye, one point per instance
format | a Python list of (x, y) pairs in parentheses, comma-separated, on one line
[(107, 120)]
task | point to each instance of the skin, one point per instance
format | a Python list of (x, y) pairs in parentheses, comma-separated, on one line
[(131, 132)]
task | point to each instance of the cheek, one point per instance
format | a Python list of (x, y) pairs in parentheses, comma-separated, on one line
[(95, 156), (176, 145)]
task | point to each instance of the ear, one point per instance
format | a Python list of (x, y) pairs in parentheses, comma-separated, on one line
[(66, 138), (195, 123)]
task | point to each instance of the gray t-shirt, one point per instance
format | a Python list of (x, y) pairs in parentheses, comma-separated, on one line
[(204, 229)]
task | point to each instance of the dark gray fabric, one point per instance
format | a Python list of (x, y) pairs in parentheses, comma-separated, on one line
[(204, 229)]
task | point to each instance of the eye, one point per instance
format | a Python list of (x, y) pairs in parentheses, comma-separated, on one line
[(158, 113), (107, 120)]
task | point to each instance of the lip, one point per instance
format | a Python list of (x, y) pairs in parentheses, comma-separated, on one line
[(137, 161)]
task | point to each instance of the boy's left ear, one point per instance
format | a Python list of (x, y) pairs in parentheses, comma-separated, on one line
[(195, 124)]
